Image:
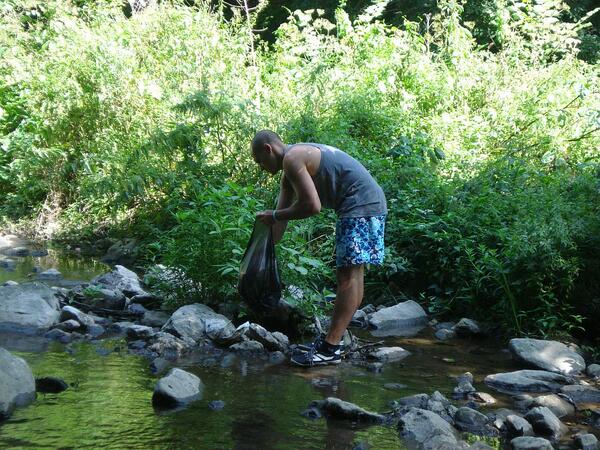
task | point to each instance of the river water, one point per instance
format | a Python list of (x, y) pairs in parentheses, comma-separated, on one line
[(108, 403)]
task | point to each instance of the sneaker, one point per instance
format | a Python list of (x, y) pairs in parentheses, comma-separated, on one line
[(314, 356)]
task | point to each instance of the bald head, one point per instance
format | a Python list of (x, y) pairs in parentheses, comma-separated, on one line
[(265, 137)]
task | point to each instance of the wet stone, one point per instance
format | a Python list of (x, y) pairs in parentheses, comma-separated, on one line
[(340, 409), (517, 426), (58, 335), (582, 393), (216, 405), (467, 327), (558, 405), (547, 355), (482, 397), (159, 365), (530, 443), (312, 413), (395, 386), (586, 441), (545, 423), (68, 325), (593, 370), (177, 388), (389, 354), (445, 334)]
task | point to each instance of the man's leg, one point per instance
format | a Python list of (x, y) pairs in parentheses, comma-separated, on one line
[(350, 289)]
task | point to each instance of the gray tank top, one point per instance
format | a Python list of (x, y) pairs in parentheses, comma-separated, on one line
[(343, 184)]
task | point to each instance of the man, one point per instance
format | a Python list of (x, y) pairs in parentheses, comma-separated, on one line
[(319, 176)]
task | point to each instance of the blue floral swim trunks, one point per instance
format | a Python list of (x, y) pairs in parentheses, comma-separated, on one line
[(359, 240)]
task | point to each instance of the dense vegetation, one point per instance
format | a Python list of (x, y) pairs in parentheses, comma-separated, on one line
[(487, 150)]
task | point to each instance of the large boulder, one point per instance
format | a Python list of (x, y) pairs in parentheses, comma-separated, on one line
[(197, 322), (17, 385), (177, 388), (547, 355), (527, 381), (121, 279), (28, 308), (581, 393), (403, 319), (426, 430)]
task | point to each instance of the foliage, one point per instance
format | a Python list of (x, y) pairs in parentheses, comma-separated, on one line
[(488, 155)]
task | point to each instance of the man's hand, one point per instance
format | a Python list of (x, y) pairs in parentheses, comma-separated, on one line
[(266, 217)]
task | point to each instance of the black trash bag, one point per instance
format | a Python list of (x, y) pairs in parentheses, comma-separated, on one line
[(259, 283)]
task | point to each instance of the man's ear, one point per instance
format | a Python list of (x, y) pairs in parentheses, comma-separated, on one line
[(268, 148)]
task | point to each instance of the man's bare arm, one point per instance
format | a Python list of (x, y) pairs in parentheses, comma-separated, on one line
[(286, 199), (307, 199)]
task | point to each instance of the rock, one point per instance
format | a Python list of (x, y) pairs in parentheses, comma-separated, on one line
[(10, 283), (198, 321), (480, 445), (593, 370), (16, 251), (121, 279), (177, 388), (50, 385), (276, 357), (104, 321), (216, 405), (530, 443), (498, 417), (547, 355), (124, 251), (248, 347), (464, 386), (17, 386), (415, 401), (467, 419), (445, 334), (137, 345), (258, 333), (545, 423), (467, 327), (360, 319), (154, 319), (426, 430), (169, 346), (527, 381), (403, 319), (50, 274), (39, 252), (312, 413), (339, 409), (582, 394), (388, 354), (140, 332), (517, 426), (120, 327), (586, 441), (28, 308), (558, 405), (95, 331), (8, 264), (481, 397), (68, 325), (72, 313), (99, 296), (137, 309), (145, 299), (395, 386), (58, 335)]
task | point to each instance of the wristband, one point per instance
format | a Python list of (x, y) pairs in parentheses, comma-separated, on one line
[(274, 216)]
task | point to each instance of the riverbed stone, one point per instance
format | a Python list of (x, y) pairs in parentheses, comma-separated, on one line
[(58, 335), (530, 443), (555, 403), (516, 426), (339, 409), (8, 264), (17, 386), (403, 319), (50, 274), (414, 401), (586, 441), (10, 283), (95, 331), (426, 430), (198, 321), (69, 312), (170, 347), (552, 356), (388, 354), (527, 381), (481, 397), (467, 419), (260, 334), (545, 423), (28, 308), (593, 370), (121, 279), (124, 251), (140, 332), (121, 327), (68, 325), (582, 393), (136, 309), (445, 334), (248, 346), (154, 318), (50, 385), (467, 327), (17, 251), (177, 388)]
